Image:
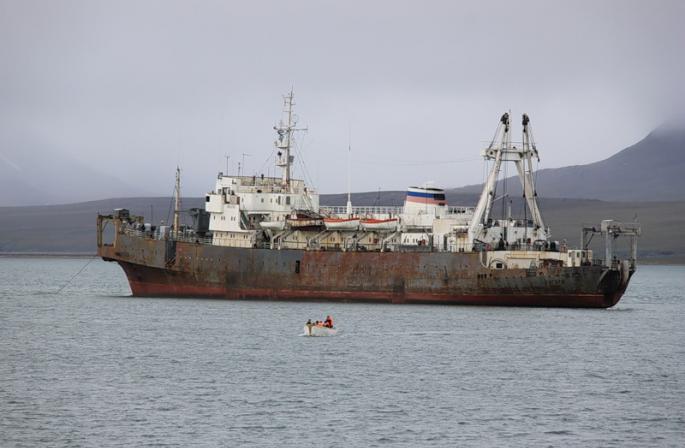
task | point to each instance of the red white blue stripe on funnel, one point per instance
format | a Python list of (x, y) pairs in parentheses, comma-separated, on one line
[(426, 197)]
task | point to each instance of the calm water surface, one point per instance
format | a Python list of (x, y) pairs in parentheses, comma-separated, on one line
[(92, 366)]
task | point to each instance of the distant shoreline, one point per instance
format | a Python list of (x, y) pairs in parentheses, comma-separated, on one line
[(47, 254), (674, 261)]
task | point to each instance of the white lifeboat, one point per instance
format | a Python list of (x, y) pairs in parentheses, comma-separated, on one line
[(380, 224), (341, 223), (272, 225)]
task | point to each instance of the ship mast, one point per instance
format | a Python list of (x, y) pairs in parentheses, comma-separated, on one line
[(285, 131), (349, 174), (177, 202), (348, 209)]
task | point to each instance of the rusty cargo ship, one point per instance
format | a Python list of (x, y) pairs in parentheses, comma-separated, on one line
[(268, 238)]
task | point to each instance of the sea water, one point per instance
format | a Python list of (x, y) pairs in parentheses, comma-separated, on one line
[(92, 366)]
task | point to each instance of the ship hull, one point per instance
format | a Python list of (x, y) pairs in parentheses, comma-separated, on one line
[(157, 268)]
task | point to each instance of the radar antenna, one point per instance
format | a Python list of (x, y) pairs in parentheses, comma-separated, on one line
[(285, 130)]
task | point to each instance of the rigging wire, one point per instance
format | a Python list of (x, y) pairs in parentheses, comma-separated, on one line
[(535, 184), (171, 204), (261, 168), (423, 162), (504, 190), (299, 147)]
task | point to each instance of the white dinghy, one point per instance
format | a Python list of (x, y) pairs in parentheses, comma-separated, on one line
[(313, 330)]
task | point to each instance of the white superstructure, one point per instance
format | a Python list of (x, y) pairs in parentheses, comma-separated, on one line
[(241, 207), (282, 212)]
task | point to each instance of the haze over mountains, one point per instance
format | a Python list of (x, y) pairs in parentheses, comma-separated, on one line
[(650, 170), (39, 175)]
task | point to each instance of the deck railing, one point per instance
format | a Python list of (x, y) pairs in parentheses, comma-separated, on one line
[(157, 235), (383, 210), (361, 211)]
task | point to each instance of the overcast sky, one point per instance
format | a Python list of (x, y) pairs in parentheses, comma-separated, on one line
[(134, 88)]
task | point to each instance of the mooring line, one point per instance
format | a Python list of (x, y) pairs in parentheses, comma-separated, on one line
[(76, 275)]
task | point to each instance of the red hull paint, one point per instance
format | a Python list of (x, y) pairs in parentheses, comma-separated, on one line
[(180, 289), (427, 278)]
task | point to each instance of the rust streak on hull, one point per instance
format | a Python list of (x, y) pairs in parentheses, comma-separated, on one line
[(197, 270), (516, 289)]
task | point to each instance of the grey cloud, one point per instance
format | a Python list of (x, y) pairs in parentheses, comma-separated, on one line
[(132, 88)]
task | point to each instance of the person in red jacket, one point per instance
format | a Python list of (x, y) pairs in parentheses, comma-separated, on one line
[(328, 322)]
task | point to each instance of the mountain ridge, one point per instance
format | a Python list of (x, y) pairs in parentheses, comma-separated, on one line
[(70, 228), (649, 170)]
